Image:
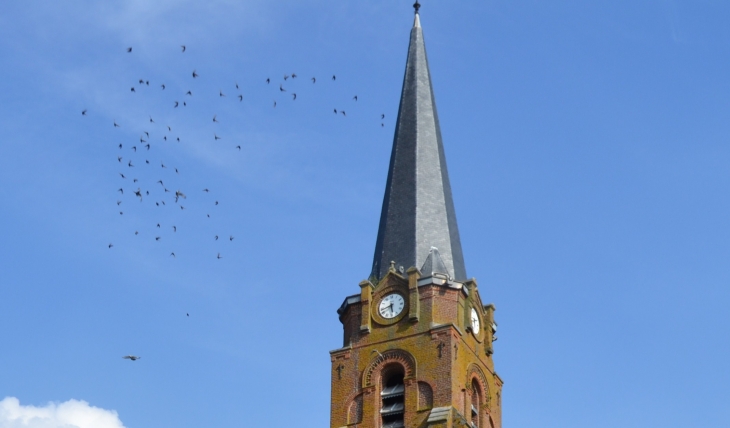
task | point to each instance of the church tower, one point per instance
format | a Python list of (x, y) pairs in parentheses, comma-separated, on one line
[(417, 348)]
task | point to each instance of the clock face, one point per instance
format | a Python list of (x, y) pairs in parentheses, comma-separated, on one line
[(474, 321), (391, 306)]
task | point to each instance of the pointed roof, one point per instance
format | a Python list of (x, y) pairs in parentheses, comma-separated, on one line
[(418, 209)]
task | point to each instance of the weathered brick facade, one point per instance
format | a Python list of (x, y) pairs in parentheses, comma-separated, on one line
[(447, 366)]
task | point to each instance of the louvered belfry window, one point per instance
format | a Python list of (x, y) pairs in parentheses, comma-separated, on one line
[(393, 397)]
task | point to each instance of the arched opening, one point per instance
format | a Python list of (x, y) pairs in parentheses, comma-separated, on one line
[(393, 397), (476, 403)]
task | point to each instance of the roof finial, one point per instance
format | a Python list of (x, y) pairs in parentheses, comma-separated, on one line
[(416, 6)]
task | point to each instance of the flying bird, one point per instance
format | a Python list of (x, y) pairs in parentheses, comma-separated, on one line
[(295, 96), (214, 118), (83, 113), (240, 98), (119, 158), (176, 104), (216, 137), (281, 88), (231, 238), (121, 190), (286, 76), (334, 77), (274, 103), (206, 190), (189, 93), (382, 116), (151, 121), (163, 87), (116, 125), (133, 89), (110, 245), (239, 148), (157, 238), (355, 98), (131, 357), (183, 47), (335, 111), (216, 237), (172, 254), (314, 80), (174, 228), (236, 85), (138, 192), (195, 74), (293, 76), (343, 113), (268, 81), (122, 175), (221, 94), (219, 256), (129, 50)]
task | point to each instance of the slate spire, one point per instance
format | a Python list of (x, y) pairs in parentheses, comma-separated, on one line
[(418, 209)]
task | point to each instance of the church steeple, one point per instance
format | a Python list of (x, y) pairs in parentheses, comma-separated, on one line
[(418, 209), (417, 340)]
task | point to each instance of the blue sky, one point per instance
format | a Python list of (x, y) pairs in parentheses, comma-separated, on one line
[(587, 145)]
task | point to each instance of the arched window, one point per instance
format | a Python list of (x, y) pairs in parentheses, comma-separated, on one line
[(476, 402), (393, 398)]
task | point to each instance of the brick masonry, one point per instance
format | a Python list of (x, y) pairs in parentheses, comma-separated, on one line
[(448, 366)]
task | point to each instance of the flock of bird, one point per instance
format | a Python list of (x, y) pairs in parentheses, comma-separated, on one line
[(159, 190)]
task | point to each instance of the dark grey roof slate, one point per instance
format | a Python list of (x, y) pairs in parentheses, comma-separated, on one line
[(418, 210)]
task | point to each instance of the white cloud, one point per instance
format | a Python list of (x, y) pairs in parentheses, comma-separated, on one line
[(71, 414)]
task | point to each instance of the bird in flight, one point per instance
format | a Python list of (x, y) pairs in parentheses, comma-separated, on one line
[(293, 76), (121, 190), (122, 175), (355, 98), (281, 88), (314, 80), (268, 81), (174, 228), (157, 238), (133, 89), (219, 256), (110, 245), (231, 238), (239, 148), (129, 50), (183, 47), (382, 116), (335, 111), (138, 192), (163, 86), (216, 237), (294, 95), (83, 113), (172, 254), (131, 357), (141, 81), (236, 85), (286, 76), (176, 104), (151, 121), (158, 225), (240, 98), (216, 137), (119, 158), (343, 113), (189, 93), (221, 94), (274, 103), (214, 118), (116, 125), (195, 74), (206, 190), (334, 77)]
